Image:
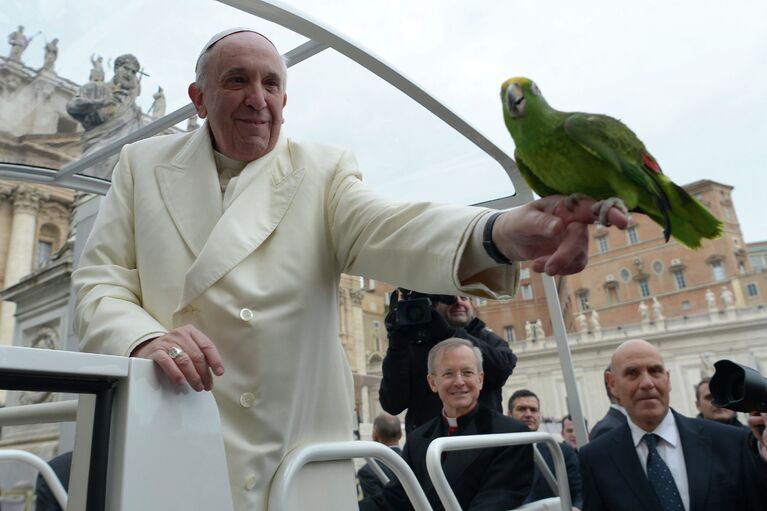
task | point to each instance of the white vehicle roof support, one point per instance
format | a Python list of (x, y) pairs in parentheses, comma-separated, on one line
[(459, 443), (334, 451), (41, 466)]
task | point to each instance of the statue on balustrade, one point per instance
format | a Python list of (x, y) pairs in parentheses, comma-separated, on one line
[(108, 111)]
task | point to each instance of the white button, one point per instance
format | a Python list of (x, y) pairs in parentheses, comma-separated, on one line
[(246, 314), (247, 399), (250, 482)]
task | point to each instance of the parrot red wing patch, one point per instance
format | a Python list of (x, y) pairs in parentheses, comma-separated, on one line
[(651, 164)]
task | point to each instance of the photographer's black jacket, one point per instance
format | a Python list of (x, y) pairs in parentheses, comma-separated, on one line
[(404, 384)]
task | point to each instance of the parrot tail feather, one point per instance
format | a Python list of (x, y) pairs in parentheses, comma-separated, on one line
[(692, 221), (664, 206)]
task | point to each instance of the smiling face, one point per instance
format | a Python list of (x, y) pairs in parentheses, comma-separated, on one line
[(568, 432), (459, 313), (640, 382), (457, 380), (243, 96)]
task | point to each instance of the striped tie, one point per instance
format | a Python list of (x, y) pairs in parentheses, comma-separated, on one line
[(660, 477)]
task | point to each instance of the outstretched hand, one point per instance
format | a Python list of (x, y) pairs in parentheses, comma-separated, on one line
[(545, 232)]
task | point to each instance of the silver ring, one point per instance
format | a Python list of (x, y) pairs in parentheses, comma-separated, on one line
[(174, 352)]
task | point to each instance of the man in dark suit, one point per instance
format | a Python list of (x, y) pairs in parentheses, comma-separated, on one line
[(525, 406), (387, 430), (615, 417), (482, 479), (660, 460)]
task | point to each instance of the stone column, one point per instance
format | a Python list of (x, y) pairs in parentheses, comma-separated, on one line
[(21, 249), (360, 351)]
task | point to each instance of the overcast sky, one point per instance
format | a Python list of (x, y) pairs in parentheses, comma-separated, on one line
[(689, 77)]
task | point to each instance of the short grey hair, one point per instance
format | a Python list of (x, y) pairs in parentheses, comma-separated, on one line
[(203, 62), (449, 345)]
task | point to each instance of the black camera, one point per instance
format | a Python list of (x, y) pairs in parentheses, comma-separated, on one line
[(415, 308), (738, 387)]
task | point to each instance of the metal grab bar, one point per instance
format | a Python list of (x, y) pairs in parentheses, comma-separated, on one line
[(45, 470), (335, 451), (459, 443), (41, 413)]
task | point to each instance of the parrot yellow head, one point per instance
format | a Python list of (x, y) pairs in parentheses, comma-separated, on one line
[(517, 94)]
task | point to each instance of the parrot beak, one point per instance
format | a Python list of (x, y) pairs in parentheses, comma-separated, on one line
[(515, 100)]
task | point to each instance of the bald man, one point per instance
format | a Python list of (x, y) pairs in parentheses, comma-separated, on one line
[(662, 461)]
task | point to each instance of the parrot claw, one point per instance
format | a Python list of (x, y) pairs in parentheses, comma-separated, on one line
[(572, 200), (602, 207)]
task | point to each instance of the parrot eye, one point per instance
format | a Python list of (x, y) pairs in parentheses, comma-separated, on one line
[(534, 89)]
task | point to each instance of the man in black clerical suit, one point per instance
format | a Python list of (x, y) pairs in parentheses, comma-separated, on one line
[(482, 479), (660, 460)]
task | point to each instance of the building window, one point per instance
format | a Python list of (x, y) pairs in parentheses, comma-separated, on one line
[(752, 289), (633, 236), (378, 344), (508, 332), (718, 270), (612, 295), (758, 262), (376, 324), (681, 283), (625, 274), (657, 267), (44, 249), (686, 305), (527, 291), (524, 273), (644, 288), (602, 242), (583, 300)]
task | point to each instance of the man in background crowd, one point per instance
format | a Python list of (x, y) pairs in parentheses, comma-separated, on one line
[(615, 416), (403, 385), (481, 479), (387, 430), (660, 460), (704, 402), (525, 406)]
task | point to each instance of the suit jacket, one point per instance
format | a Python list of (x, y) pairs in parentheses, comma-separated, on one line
[(541, 489), (482, 479), (369, 482), (612, 419), (260, 278), (723, 470)]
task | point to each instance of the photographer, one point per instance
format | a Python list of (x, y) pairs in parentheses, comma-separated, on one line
[(414, 326)]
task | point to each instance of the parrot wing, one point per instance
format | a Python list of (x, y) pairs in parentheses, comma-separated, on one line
[(531, 179), (613, 142)]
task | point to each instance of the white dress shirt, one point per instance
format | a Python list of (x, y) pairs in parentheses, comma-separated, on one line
[(670, 450)]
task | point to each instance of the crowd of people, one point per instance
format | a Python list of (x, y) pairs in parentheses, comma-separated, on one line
[(198, 261), (641, 456)]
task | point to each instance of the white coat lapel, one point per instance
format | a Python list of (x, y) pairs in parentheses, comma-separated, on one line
[(190, 189), (264, 191)]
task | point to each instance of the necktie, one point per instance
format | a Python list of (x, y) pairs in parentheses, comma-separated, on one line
[(660, 477)]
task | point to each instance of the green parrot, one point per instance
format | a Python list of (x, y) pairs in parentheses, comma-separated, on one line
[(579, 154)]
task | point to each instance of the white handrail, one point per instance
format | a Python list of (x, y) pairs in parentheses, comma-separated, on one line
[(334, 451), (459, 443), (40, 413), (45, 470)]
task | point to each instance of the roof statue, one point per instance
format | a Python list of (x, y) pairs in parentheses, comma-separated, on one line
[(108, 110)]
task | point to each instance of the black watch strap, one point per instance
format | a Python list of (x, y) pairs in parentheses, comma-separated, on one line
[(489, 244)]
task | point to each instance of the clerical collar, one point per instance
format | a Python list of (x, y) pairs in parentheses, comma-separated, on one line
[(456, 423), (227, 168)]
